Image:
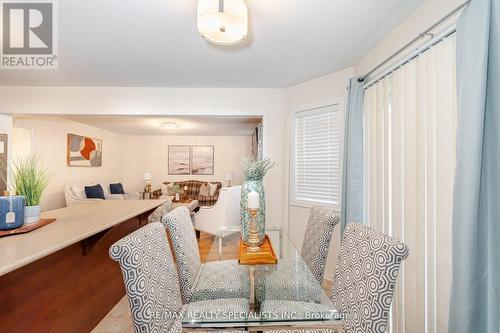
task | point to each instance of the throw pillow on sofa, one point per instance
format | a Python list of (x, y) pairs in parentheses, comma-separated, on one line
[(212, 189), (167, 189), (116, 188), (94, 192), (203, 190), (79, 191)]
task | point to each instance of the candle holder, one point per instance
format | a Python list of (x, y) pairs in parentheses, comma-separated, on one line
[(253, 234)]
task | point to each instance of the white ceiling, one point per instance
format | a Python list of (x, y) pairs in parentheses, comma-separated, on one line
[(155, 43), (188, 125)]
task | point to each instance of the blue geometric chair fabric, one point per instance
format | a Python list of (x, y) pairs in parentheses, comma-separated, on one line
[(150, 278), (161, 211), (213, 280), (322, 221), (289, 280), (363, 283), (152, 284), (185, 246), (278, 285), (221, 279), (365, 278)]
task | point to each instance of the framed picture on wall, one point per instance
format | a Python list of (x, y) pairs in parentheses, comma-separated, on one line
[(83, 151), (202, 159), (178, 160)]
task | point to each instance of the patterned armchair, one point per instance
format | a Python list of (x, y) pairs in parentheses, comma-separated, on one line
[(194, 190)]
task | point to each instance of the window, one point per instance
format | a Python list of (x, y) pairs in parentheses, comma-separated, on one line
[(316, 157)]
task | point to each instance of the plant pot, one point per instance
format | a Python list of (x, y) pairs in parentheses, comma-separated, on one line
[(247, 187), (11, 212), (31, 214)]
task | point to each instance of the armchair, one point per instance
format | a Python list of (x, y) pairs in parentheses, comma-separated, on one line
[(225, 212)]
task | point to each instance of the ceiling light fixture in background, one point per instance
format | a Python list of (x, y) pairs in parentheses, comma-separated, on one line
[(223, 22), (169, 125)]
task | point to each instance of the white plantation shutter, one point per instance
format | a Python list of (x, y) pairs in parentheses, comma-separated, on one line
[(316, 176)]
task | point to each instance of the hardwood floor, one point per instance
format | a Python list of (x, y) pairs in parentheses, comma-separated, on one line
[(209, 250)]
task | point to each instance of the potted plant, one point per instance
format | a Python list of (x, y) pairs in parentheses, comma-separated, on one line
[(29, 179), (254, 170)]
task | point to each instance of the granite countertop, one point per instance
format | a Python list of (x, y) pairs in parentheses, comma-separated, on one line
[(73, 224)]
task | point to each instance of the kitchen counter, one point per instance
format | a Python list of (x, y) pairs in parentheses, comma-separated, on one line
[(73, 224), (62, 272)]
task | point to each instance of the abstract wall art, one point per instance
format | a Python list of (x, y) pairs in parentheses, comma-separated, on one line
[(202, 160), (84, 151), (178, 160)]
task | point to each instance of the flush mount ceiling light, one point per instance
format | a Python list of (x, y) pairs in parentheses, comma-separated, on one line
[(223, 22), (169, 125)]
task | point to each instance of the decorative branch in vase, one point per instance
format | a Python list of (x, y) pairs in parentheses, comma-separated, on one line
[(177, 190), (254, 170)]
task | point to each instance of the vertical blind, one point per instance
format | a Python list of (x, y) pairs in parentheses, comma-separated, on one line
[(317, 156), (410, 131)]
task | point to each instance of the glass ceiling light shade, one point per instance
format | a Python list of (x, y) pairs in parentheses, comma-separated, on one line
[(169, 125), (223, 22)]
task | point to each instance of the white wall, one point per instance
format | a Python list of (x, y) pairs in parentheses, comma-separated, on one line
[(150, 153), (6, 128), (314, 93), (22, 142), (424, 17), (49, 142), (268, 103)]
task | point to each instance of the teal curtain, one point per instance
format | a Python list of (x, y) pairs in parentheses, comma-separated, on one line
[(352, 180), (475, 293)]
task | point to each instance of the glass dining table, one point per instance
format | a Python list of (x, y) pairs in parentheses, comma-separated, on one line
[(281, 296)]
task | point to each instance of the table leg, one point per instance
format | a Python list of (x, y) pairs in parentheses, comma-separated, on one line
[(254, 304)]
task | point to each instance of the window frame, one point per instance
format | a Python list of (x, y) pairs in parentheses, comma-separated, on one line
[(293, 201)]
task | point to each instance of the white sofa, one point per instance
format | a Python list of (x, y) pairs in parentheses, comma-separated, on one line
[(75, 194), (226, 212)]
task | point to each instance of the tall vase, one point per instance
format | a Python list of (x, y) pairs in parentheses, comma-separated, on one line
[(249, 186)]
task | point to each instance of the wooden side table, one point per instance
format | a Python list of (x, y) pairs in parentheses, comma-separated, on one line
[(146, 195)]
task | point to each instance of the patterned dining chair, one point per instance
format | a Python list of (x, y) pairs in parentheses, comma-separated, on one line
[(161, 211), (364, 280), (317, 239), (277, 284), (212, 280), (152, 284)]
